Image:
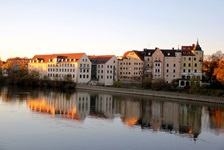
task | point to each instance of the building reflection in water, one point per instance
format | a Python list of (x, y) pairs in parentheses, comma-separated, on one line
[(74, 106), (150, 114)]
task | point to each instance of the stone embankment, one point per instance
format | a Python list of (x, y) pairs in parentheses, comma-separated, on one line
[(172, 95)]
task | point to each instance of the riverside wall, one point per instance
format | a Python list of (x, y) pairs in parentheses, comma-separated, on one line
[(173, 95)]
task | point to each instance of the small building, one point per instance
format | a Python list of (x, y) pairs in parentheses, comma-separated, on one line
[(191, 65), (104, 69), (130, 66)]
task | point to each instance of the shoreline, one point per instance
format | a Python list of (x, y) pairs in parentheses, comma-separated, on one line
[(162, 94)]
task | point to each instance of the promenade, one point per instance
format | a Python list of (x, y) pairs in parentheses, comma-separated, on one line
[(173, 95)]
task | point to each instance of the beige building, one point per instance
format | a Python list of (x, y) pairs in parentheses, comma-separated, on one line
[(191, 65), (162, 64), (130, 66), (60, 66), (104, 69)]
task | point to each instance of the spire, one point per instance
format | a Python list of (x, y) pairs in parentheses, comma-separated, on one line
[(198, 47), (197, 42)]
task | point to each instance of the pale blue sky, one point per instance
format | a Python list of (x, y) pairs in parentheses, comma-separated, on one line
[(29, 27)]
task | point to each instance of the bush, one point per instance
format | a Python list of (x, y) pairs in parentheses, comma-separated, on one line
[(146, 83), (158, 84)]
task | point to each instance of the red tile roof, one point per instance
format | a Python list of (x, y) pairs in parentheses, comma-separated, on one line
[(46, 57)]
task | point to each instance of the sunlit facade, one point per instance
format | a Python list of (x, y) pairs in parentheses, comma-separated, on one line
[(60, 66), (130, 66)]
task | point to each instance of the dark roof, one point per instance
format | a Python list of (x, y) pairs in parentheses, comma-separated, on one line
[(166, 52), (101, 59)]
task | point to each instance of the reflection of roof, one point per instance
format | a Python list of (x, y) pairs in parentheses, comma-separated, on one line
[(47, 57), (101, 59)]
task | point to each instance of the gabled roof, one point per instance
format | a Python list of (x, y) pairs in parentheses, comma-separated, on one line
[(100, 59), (140, 54), (47, 57)]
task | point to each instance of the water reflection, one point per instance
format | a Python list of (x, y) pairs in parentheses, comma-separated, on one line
[(148, 113)]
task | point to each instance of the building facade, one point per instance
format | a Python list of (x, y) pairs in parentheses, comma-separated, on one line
[(61, 66), (162, 64), (191, 65), (130, 66), (104, 69)]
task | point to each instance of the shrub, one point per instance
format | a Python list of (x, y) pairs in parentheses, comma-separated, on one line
[(158, 84)]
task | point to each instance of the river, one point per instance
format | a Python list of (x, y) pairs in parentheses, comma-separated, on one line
[(46, 119)]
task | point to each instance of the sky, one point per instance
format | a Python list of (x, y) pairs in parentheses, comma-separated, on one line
[(108, 27)]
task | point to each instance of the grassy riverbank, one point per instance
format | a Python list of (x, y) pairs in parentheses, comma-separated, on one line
[(152, 93)]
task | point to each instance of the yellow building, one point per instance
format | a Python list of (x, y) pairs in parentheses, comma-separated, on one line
[(130, 66), (191, 65)]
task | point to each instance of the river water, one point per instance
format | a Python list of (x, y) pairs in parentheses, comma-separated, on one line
[(35, 119)]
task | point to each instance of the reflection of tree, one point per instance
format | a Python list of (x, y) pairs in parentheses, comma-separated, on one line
[(217, 118)]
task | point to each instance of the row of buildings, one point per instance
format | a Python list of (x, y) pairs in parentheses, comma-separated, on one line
[(133, 66)]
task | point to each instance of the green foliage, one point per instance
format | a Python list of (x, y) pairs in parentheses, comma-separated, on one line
[(158, 84), (146, 83), (117, 84)]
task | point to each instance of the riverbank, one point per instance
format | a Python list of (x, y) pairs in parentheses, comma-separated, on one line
[(173, 95)]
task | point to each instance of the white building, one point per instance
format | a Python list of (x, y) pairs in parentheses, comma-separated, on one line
[(60, 66), (104, 69)]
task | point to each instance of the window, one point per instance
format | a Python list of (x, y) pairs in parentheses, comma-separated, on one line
[(189, 58), (189, 70), (174, 65), (194, 58), (195, 64), (184, 64), (84, 76), (184, 70), (80, 76), (195, 70), (189, 64), (158, 70), (101, 77), (87, 76), (167, 65), (80, 65), (167, 70), (174, 70)]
